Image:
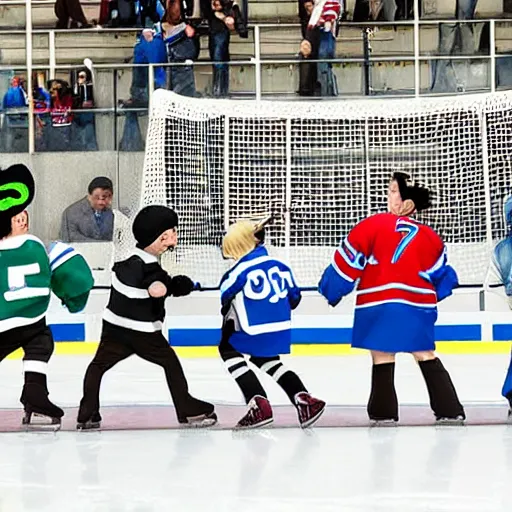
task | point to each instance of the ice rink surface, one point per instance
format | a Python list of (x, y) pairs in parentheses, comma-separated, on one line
[(416, 469)]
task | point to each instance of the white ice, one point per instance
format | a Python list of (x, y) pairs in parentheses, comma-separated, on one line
[(344, 470)]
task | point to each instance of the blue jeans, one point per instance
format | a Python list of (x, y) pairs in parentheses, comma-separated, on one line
[(218, 44), (182, 77), (446, 75), (326, 78)]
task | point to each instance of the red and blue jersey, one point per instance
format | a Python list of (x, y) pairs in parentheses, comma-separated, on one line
[(394, 261)]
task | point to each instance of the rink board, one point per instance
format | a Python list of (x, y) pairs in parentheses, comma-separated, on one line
[(162, 417)]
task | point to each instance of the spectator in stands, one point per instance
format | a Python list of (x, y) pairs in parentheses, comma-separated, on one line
[(319, 42), (84, 130), (57, 131), (91, 218), (42, 104), (70, 14), (383, 10), (223, 16), (173, 39), (449, 76), (14, 134)]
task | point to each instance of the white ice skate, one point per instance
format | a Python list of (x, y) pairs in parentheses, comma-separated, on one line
[(33, 421), (201, 421)]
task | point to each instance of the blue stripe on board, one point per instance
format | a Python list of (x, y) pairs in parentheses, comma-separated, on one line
[(68, 332), (502, 332), (194, 337), (321, 336), (458, 332)]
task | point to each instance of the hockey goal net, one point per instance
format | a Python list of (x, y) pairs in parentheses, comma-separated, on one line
[(320, 167)]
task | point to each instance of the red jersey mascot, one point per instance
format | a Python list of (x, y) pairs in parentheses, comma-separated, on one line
[(403, 272)]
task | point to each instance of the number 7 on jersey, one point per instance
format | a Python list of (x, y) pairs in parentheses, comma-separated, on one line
[(410, 230)]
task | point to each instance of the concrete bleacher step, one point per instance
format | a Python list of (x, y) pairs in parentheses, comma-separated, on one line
[(271, 11)]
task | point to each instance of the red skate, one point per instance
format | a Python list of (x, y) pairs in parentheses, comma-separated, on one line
[(309, 409), (258, 415)]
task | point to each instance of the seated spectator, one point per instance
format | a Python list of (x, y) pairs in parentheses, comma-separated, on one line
[(90, 219), (223, 16), (319, 42), (70, 15), (84, 129)]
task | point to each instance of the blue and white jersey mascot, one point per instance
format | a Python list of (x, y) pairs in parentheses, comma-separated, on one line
[(258, 295)]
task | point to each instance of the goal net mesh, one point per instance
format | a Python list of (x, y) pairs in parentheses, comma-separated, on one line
[(321, 167)]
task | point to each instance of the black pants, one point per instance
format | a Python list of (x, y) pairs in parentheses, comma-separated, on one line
[(36, 341), (117, 344)]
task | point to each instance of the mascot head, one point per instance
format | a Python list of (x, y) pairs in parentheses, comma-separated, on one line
[(242, 237), (16, 193)]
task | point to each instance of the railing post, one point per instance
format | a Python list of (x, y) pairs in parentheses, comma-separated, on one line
[(257, 61), (30, 94), (51, 48), (492, 44), (417, 74), (151, 84)]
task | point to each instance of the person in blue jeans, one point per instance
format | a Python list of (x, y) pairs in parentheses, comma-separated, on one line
[(223, 16), (173, 39), (502, 262), (449, 76)]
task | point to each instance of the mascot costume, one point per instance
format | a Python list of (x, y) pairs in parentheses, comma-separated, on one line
[(28, 274)]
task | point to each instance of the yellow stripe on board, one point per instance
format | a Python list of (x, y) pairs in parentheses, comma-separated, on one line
[(443, 347)]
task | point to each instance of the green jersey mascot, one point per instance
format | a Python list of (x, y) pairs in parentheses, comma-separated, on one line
[(28, 275)]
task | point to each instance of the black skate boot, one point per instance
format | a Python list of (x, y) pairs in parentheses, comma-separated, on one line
[(258, 415), (309, 409), (94, 423), (204, 417), (40, 413)]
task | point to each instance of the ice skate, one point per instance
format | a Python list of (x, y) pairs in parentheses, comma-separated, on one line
[(258, 415), (36, 419), (40, 413), (455, 421), (200, 421), (309, 409), (94, 423), (384, 422)]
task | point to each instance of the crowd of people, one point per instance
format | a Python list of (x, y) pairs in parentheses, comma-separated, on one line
[(170, 32)]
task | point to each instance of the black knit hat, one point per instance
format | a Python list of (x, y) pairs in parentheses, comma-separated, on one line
[(151, 222), (16, 193)]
